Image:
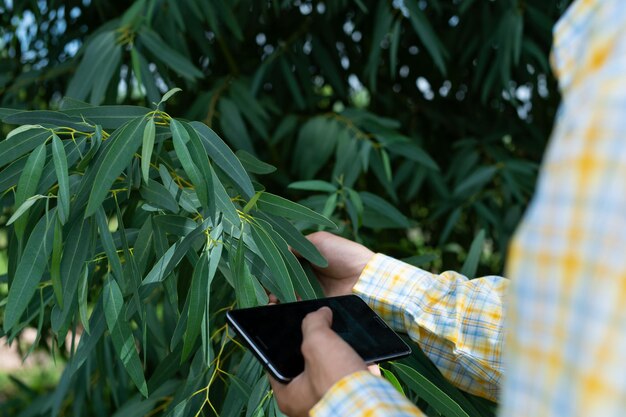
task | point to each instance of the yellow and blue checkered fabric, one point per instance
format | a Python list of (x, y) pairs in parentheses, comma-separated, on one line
[(363, 394), (565, 344), (457, 322)]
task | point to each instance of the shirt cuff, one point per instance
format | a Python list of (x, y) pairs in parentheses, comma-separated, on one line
[(363, 394), (387, 284)]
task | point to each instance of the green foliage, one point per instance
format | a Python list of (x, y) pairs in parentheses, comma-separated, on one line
[(414, 127), (145, 247)]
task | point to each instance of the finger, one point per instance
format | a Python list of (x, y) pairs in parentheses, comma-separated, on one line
[(320, 319), (272, 298), (374, 369), (277, 387), (294, 398)]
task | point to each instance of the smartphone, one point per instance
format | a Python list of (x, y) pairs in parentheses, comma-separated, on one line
[(274, 334)]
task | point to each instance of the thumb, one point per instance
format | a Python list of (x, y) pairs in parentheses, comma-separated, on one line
[(317, 320)]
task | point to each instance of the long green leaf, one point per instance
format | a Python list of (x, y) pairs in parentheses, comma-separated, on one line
[(11, 174), (317, 139), (113, 303), (233, 126), (292, 83), (78, 245), (201, 161), (173, 255), (384, 209), (83, 290), (425, 389), (157, 195), (175, 225), (20, 144), (242, 279), (113, 161), (106, 73), (224, 203), (124, 343), (328, 65), (389, 376), (60, 166), (200, 286), (295, 239), (27, 184), (257, 397), (146, 149), (102, 52), (55, 264), (221, 154), (29, 270), (254, 165), (23, 208), (301, 283), (473, 257), (166, 54), (476, 180), (45, 117), (4, 112), (169, 94), (273, 259), (86, 347), (412, 151), (181, 138), (427, 35), (109, 117), (314, 185), (382, 25), (110, 248), (122, 335), (278, 206)]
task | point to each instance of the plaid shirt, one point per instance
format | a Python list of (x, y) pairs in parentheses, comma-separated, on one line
[(565, 352)]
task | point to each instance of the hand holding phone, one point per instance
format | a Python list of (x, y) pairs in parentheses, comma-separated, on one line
[(274, 333), (327, 358)]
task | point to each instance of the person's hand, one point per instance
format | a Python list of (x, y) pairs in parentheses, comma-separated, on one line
[(346, 260), (327, 359)]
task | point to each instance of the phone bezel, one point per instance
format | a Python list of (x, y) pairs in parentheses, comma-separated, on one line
[(265, 361)]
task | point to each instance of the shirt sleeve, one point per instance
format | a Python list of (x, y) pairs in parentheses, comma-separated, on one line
[(457, 322), (364, 394)]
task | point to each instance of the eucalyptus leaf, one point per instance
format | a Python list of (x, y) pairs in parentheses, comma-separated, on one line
[(169, 94), (116, 156), (147, 148), (473, 256), (29, 270), (278, 206), (254, 165), (60, 166), (28, 182), (200, 286), (425, 389), (272, 258), (221, 154)]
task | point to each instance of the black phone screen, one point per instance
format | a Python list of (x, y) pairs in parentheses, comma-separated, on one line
[(276, 336)]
